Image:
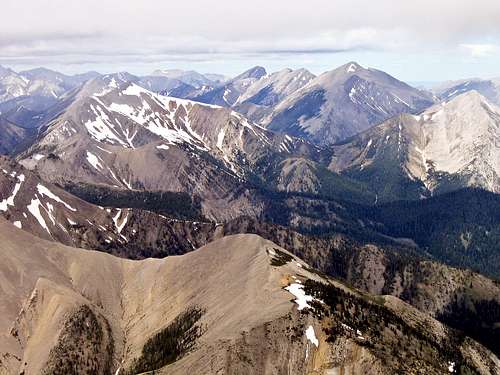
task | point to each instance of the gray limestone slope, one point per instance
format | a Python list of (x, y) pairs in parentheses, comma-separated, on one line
[(255, 93), (110, 138), (135, 298), (449, 146), (12, 136), (229, 93), (39, 83), (345, 101), (260, 98)]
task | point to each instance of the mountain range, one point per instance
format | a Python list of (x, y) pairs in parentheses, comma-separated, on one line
[(268, 223), (489, 88), (292, 101)]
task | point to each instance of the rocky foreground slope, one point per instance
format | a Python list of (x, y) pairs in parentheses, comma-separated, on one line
[(238, 305)]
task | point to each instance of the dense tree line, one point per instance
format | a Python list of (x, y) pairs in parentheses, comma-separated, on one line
[(173, 204), (170, 343), (85, 346), (400, 344), (480, 319)]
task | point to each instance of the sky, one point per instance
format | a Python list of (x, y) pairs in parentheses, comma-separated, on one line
[(416, 41)]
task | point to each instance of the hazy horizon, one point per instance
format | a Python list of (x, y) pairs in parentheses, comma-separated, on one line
[(429, 41)]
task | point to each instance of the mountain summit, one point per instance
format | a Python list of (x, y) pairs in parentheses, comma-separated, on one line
[(342, 102)]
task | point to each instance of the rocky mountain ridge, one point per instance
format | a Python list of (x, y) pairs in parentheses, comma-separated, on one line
[(124, 319)]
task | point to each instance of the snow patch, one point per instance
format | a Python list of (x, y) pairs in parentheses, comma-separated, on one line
[(45, 191), (302, 298), (451, 366), (135, 90), (10, 200), (94, 161), (101, 128), (398, 99), (116, 219), (34, 209), (220, 139), (38, 157), (351, 68), (311, 336)]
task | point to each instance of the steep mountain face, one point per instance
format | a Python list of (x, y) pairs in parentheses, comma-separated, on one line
[(449, 146), (489, 88), (258, 100), (272, 88), (44, 82), (11, 136), (118, 134), (171, 87), (455, 296), (12, 84), (343, 102), (179, 83), (49, 212), (255, 93), (242, 301), (228, 94), (26, 111), (25, 97)]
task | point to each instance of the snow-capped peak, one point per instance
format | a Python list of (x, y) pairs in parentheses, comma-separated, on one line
[(353, 67)]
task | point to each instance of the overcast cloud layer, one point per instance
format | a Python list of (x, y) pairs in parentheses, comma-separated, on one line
[(415, 40)]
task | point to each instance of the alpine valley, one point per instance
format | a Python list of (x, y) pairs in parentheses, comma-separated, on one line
[(266, 223)]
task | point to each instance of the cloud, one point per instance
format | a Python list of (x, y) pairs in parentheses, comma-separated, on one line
[(124, 31), (480, 50)]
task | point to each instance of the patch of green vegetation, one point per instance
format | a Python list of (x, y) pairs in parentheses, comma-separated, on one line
[(400, 345), (438, 226), (85, 346), (279, 258), (340, 187), (479, 319), (170, 343), (173, 204)]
